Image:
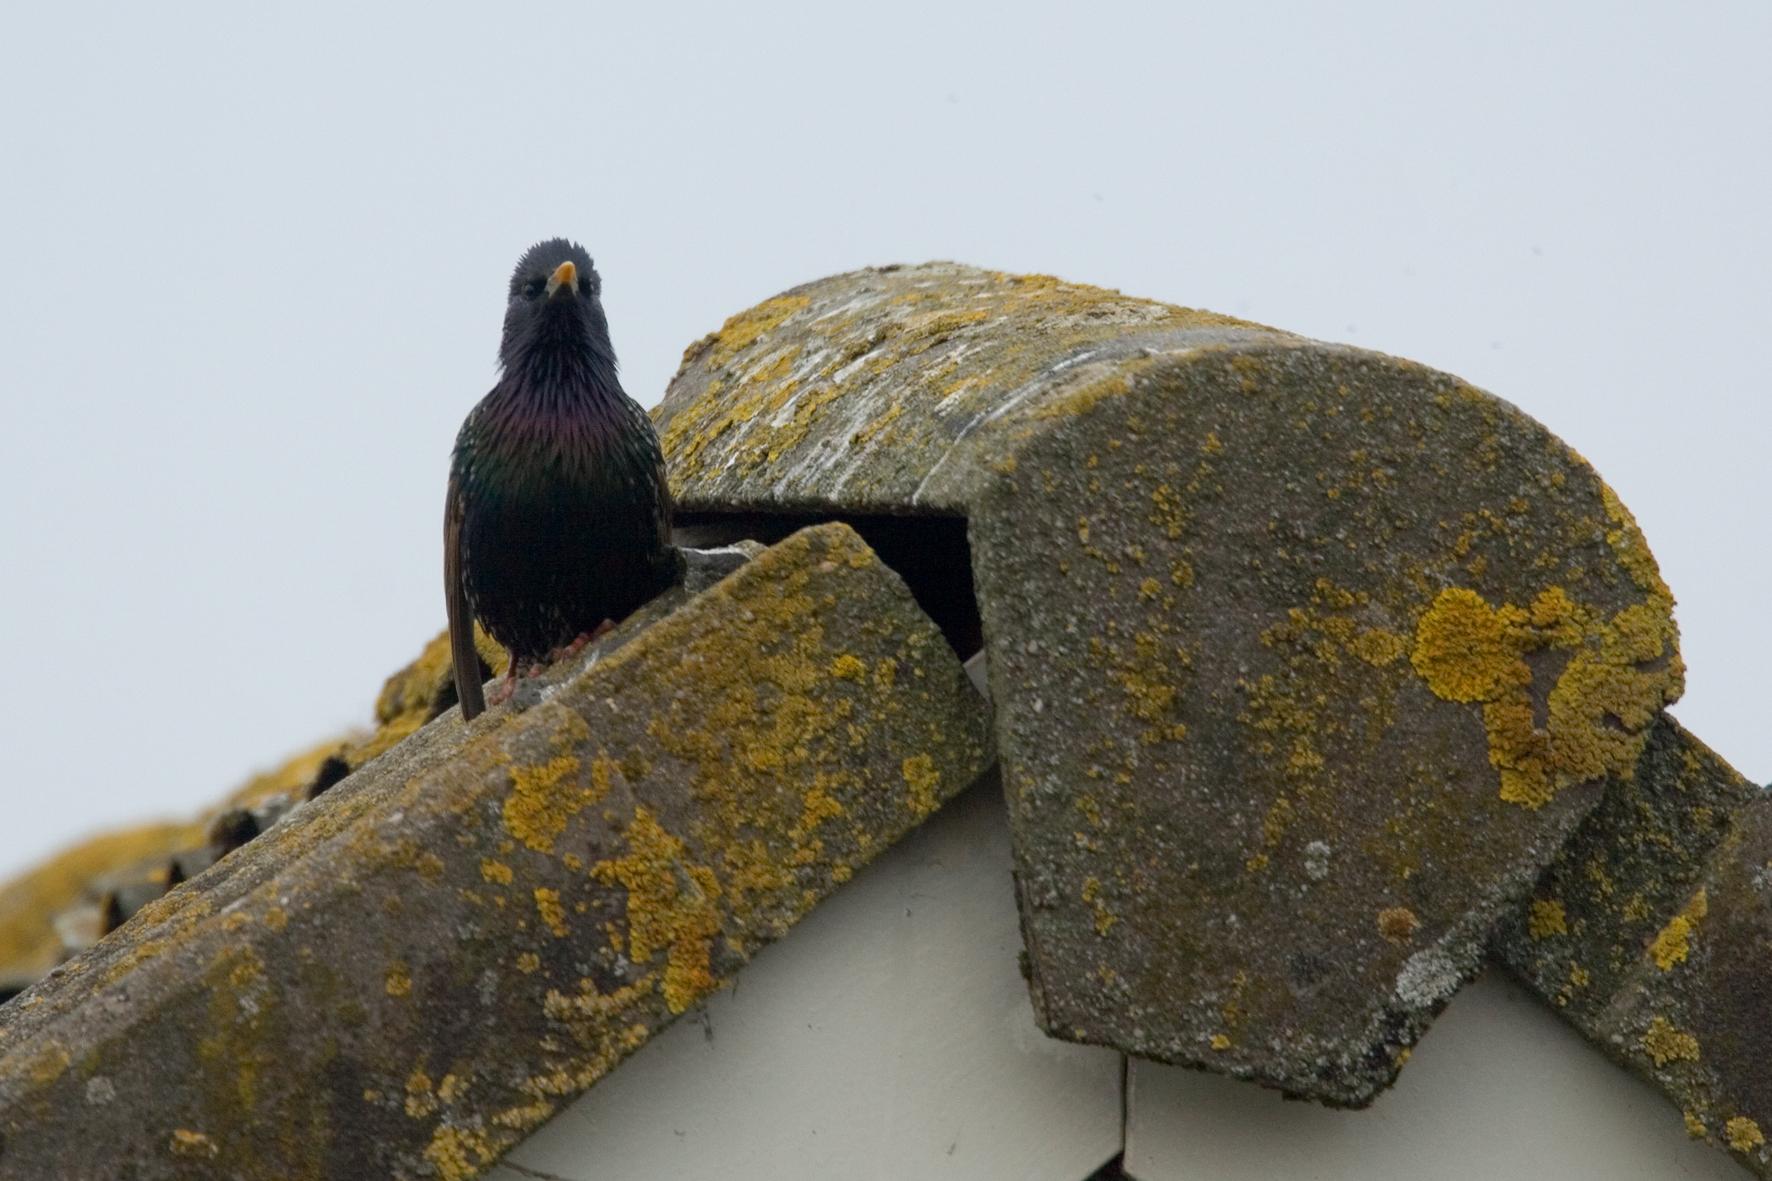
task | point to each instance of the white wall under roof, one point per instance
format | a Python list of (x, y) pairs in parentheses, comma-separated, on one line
[(890, 1038), (1498, 1090)]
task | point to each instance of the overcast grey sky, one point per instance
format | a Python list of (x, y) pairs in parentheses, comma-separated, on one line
[(251, 271)]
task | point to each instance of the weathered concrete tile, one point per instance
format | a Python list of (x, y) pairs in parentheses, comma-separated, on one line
[(1695, 1017), (1305, 660), (68, 902), (1305, 665), (1651, 935), (412, 972), (1626, 872)]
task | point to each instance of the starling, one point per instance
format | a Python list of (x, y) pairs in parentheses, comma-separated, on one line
[(558, 515)]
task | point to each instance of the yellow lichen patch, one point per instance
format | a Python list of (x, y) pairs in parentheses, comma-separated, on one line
[(1084, 397), (1463, 649), (1619, 672), (29, 945), (1743, 1134), (848, 667), (924, 783), (1673, 943), (460, 1154), (192, 1145), (1694, 1125), (753, 870), (740, 332), (958, 350), (291, 776), (670, 907), (1631, 550), (528, 963), (421, 1094), (1397, 924), (1148, 675), (1104, 918), (47, 1064), (1167, 513), (543, 799), (1280, 815), (237, 1050), (1336, 689), (1377, 648), (494, 871), (772, 738), (553, 915), (1665, 1043), (416, 686), (1220, 1043), (1547, 918), (398, 981)]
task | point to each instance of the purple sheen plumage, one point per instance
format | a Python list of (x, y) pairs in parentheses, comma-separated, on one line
[(564, 512)]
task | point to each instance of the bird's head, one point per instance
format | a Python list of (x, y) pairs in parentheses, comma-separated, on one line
[(554, 304)]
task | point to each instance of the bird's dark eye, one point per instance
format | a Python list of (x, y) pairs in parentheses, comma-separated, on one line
[(534, 288)]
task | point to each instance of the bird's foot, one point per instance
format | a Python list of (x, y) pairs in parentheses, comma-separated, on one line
[(507, 684), (568, 651)]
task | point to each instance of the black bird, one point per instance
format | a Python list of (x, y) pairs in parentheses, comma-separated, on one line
[(558, 518)]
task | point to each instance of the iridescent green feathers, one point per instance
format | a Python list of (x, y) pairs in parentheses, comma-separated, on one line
[(558, 513)]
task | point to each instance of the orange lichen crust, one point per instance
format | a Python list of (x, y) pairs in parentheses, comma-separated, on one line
[(1743, 1134), (1617, 673), (671, 908), (1663, 896), (1673, 943), (569, 877), (1665, 1043), (1319, 637)]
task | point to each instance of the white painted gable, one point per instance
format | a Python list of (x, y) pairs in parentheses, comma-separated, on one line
[(889, 1037)]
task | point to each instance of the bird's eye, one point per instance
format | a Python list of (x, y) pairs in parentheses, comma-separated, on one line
[(534, 288)]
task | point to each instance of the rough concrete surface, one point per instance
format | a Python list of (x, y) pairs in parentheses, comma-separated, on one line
[(1651, 935), (72, 899), (413, 971), (1305, 660)]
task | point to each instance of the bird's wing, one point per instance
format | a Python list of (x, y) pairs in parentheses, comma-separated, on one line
[(461, 616), (653, 451)]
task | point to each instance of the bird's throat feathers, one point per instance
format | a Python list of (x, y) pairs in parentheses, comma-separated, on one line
[(567, 369), (560, 412)]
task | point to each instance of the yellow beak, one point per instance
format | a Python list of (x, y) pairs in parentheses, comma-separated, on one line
[(565, 275)]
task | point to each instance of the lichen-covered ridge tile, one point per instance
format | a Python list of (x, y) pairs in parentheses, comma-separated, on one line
[(65, 904), (1305, 660), (418, 968), (1345, 683), (1705, 976), (1620, 884), (1651, 934)]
